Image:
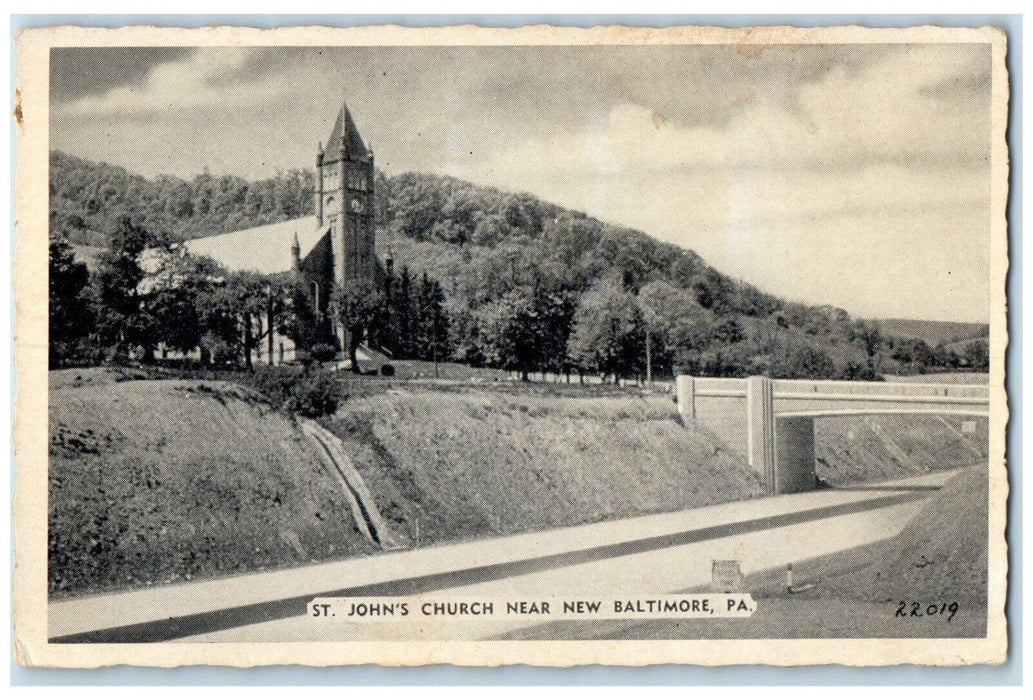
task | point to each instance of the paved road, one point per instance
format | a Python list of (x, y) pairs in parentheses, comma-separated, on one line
[(646, 555)]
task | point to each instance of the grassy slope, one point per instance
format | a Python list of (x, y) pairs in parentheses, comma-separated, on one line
[(870, 448), (153, 482), (475, 463), (941, 553), (157, 481)]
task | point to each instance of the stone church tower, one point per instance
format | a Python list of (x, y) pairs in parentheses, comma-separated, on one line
[(324, 252), (344, 200)]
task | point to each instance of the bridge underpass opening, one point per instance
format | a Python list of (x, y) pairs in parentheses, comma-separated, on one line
[(772, 422)]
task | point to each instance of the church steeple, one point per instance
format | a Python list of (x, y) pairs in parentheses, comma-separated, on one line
[(344, 139), (345, 206)]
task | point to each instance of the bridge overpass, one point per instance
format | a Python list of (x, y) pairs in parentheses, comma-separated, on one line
[(772, 420)]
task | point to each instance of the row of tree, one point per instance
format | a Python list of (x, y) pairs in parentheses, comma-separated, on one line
[(185, 302), (146, 294), (916, 356), (486, 277)]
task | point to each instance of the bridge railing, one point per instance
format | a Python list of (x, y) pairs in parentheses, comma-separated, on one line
[(847, 389), (691, 389)]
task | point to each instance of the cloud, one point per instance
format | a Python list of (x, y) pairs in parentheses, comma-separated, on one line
[(867, 169), (76, 72), (847, 157), (205, 79)]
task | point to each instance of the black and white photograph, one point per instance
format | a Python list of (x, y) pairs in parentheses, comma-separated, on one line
[(473, 346)]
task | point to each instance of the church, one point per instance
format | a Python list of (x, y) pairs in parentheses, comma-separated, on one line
[(328, 249)]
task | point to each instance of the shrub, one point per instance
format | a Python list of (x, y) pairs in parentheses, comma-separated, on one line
[(859, 372), (387, 370), (803, 362), (323, 352), (307, 391)]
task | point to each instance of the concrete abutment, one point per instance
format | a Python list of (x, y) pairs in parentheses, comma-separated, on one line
[(770, 422)]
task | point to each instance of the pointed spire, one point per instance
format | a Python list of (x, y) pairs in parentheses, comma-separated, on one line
[(345, 136), (296, 253)]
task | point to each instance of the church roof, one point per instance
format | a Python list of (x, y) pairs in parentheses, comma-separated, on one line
[(265, 249), (344, 126)]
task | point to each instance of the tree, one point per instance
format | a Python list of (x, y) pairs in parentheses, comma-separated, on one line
[(915, 353), (356, 305), (944, 356), (801, 361), (508, 332), (606, 334), (121, 320), (239, 313), (978, 355), (868, 336), (554, 312), (402, 315), (301, 321), (431, 323), (662, 307), (176, 299), (71, 316)]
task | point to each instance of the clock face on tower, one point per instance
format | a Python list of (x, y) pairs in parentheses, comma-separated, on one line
[(356, 205)]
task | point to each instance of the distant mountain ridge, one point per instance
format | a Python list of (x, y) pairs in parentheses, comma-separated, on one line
[(934, 332)]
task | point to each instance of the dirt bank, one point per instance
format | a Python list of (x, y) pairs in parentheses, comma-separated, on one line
[(860, 449), (886, 589), (477, 463), (158, 481), (154, 481)]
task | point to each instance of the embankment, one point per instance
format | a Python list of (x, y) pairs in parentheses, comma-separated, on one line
[(859, 449), (159, 481), (448, 464), (154, 481)]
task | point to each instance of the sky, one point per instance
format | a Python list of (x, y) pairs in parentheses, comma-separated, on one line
[(851, 175)]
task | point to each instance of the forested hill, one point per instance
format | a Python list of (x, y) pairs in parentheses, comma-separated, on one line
[(526, 284), (88, 199)]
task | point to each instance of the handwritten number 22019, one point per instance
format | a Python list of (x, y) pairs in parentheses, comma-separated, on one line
[(916, 609)]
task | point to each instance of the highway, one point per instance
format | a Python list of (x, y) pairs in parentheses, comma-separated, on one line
[(640, 556)]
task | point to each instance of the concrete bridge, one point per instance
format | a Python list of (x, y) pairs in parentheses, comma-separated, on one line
[(772, 420)]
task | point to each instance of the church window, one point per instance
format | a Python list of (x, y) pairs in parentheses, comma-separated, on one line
[(357, 180)]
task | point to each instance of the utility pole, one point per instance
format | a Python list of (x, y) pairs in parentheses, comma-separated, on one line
[(434, 338), (269, 323), (649, 357)]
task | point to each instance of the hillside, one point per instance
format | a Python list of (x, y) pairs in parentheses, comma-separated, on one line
[(160, 481), (520, 284), (155, 481), (935, 332), (87, 199)]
